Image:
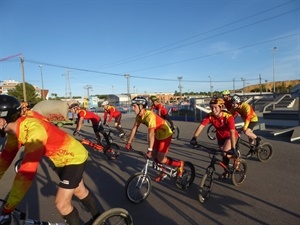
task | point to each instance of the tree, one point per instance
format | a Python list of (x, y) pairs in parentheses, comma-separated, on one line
[(31, 95)]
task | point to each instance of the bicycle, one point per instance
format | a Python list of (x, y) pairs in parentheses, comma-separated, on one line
[(211, 131), (238, 174), (112, 216), (264, 151), (111, 152), (138, 186), (110, 131), (176, 132)]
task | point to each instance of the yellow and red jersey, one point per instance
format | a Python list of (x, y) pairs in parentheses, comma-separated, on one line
[(112, 112), (39, 138), (246, 112), (160, 108), (153, 121), (223, 124), (31, 113), (88, 115)]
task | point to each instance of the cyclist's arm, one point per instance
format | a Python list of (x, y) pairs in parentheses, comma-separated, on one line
[(79, 124), (198, 130), (132, 133), (151, 137)]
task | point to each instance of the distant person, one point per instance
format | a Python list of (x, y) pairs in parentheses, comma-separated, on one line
[(82, 115), (42, 139), (227, 99), (113, 113), (161, 110), (250, 119)]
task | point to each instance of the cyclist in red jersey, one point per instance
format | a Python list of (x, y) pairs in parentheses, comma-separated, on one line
[(250, 119), (82, 115), (226, 132), (227, 99), (41, 138), (161, 110), (113, 113), (159, 135)]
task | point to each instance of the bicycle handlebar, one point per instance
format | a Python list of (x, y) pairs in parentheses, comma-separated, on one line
[(214, 151)]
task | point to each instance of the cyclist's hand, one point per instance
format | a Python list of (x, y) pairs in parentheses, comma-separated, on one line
[(128, 146), (193, 142), (75, 132), (148, 154), (5, 219)]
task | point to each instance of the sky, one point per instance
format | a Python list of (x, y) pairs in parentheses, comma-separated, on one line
[(89, 47)]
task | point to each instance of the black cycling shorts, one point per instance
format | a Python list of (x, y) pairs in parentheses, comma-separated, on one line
[(70, 176), (252, 125)]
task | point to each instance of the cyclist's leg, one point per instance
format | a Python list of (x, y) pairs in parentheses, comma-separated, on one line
[(224, 145), (118, 124), (167, 118), (98, 128)]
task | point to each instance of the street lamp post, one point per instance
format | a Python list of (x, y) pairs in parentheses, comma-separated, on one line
[(243, 79), (210, 86), (42, 92), (274, 51)]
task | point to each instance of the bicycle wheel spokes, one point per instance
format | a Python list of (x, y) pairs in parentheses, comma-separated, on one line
[(138, 187), (265, 152), (211, 132), (206, 185), (188, 176), (112, 151), (239, 174), (114, 216)]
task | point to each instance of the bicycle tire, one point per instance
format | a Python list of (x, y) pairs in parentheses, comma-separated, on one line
[(206, 185), (211, 132), (114, 216), (188, 176), (175, 135), (138, 187), (104, 143), (239, 174), (112, 151), (265, 152), (17, 165)]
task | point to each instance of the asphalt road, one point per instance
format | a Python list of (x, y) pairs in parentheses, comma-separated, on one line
[(270, 194)]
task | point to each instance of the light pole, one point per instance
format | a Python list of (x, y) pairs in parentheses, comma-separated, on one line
[(180, 87), (42, 92), (244, 80), (210, 86), (274, 52)]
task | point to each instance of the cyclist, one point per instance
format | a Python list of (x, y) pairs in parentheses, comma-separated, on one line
[(226, 132), (227, 99), (41, 138), (250, 119), (82, 115), (161, 110), (159, 135), (113, 113)]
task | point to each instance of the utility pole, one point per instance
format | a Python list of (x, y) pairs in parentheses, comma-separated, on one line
[(88, 88), (274, 51), (68, 93), (210, 86), (260, 84), (23, 79), (180, 87), (233, 85), (42, 92), (244, 80), (127, 76)]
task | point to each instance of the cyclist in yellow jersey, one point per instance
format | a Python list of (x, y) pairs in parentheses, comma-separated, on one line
[(41, 138), (159, 135), (250, 120)]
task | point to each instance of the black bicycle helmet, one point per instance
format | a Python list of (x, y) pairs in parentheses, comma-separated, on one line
[(139, 100), (73, 105), (10, 108), (235, 99)]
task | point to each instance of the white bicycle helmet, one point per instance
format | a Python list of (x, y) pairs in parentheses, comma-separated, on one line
[(235, 99), (104, 103)]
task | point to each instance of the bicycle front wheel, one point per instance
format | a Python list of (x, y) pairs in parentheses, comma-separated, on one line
[(138, 187), (188, 176), (17, 165), (206, 185), (175, 133), (112, 151), (265, 152), (239, 174), (114, 216), (211, 132)]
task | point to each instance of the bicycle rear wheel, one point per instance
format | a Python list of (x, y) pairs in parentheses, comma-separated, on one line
[(188, 176), (138, 187), (112, 151), (114, 216), (211, 132), (17, 165), (206, 184), (175, 133), (239, 174), (265, 152)]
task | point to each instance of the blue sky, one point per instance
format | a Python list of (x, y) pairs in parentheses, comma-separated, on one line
[(97, 42)]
